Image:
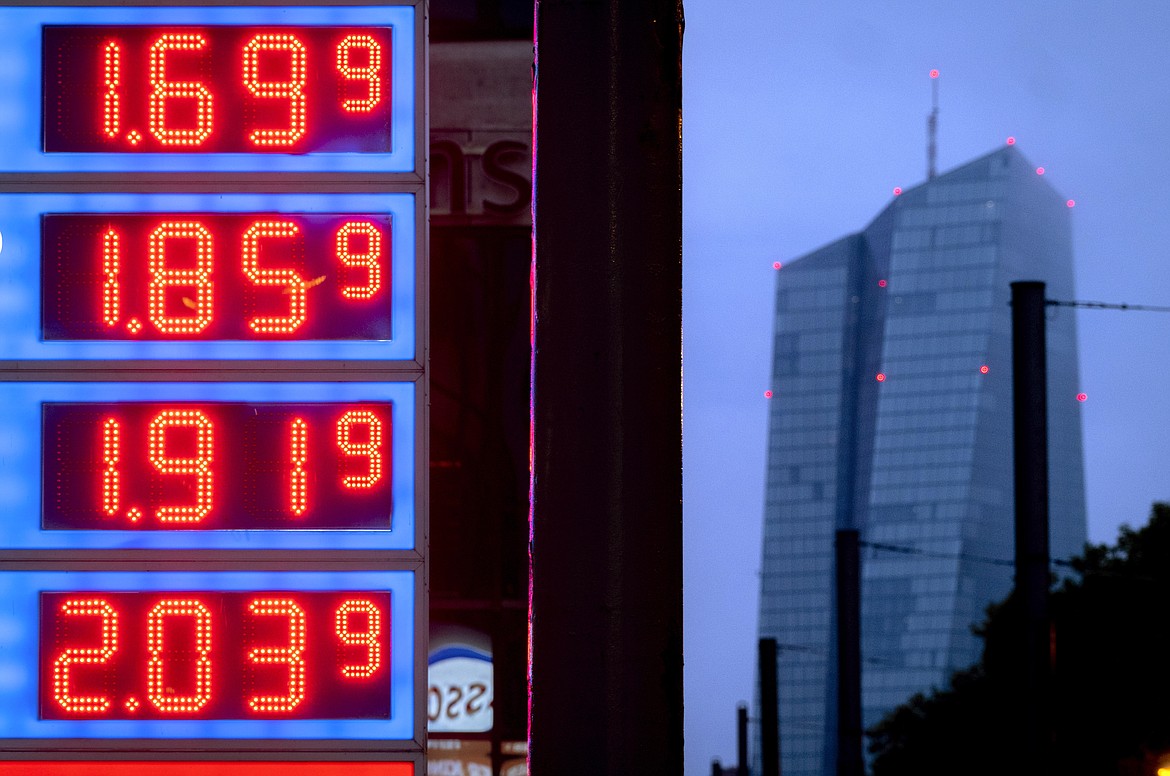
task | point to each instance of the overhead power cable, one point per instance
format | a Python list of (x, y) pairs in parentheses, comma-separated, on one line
[(1106, 305)]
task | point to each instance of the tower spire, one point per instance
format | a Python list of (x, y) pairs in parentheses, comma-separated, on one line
[(932, 127)]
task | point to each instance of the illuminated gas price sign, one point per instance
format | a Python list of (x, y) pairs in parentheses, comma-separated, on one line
[(212, 236), (215, 276), (236, 89), (261, 89), (215, 655), (160, 466), (212, 465)]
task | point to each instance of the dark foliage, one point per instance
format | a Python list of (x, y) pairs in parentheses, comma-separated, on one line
[(1110, 684)]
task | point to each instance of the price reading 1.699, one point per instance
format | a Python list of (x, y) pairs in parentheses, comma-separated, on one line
[(217, 89)]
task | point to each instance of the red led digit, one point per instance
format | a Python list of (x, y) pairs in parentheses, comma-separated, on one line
[(299, 456), (293, 655), (371, 449), (292, 284), (111, 451), (162, 278), (159, 690), (111, 101), (370, 72), (370, 638), (292, 89), (165, 90), (111, 303), (85, 704), (367, 259), (198, 465)]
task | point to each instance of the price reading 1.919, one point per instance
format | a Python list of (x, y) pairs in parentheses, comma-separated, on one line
[(206, 466), (216, 276), (217, 89), (215, 655)]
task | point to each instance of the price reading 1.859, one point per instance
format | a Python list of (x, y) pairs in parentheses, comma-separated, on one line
[(217, 89), (208, 466), (215, 655), (216, 276)]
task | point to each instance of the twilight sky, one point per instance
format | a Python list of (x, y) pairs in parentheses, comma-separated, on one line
[(800, 117)]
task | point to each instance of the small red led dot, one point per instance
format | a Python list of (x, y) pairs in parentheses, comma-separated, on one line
[(1039, 170), (881, 377), (1082, 396), (767, 394), (1011, 141), (882, 283), (983, 369), (897, 190), (1071, 203), (776, 265), (934, 74)]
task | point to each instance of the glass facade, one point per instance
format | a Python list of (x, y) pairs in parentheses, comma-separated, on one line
[(892, 415)]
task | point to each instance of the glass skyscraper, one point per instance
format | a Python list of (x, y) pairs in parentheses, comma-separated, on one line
[(892, 415)]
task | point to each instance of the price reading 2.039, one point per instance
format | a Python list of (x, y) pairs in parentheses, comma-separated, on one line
[(217, 89), (209, 654)]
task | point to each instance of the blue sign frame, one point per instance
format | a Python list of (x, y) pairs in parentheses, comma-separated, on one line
[(19, 629), (20, 90), (20, 462), (20, 275)]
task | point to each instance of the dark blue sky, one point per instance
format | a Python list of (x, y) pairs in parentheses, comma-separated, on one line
[(800, 117)]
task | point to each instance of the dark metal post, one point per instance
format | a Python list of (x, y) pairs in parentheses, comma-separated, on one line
[(1030, 428), (849, 760), (606, 522), (769, 709), (741, 732)]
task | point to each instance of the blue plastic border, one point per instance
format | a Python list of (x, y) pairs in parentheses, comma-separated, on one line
[(20, 616), (20, 467), (20, 90), (20, 274)]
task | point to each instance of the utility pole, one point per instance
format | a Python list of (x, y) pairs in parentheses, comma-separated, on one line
[(1030, 431), (606, 523), (741, 735), (769, 709), (849, 732)]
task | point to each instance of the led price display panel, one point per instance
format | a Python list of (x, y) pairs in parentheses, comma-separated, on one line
[(196, 466), (214, 654), (209, 276), (190, 89), (216, 276), (217, 89), (312, 466)]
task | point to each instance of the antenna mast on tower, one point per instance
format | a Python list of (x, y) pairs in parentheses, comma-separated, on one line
[(932, 127)]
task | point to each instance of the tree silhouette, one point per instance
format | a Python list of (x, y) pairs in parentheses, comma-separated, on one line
[(1110, 705)]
